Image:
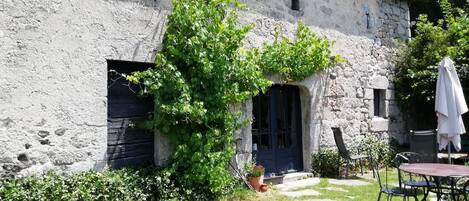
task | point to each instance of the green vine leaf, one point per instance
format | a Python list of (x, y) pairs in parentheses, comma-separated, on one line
[(202, 71)]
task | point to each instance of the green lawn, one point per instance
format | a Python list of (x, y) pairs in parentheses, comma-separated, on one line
[(341, 192)]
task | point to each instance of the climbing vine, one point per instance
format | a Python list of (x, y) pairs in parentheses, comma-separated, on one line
[(203, 70), (299, 58)]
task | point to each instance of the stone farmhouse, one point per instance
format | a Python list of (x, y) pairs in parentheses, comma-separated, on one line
[(63, 108)]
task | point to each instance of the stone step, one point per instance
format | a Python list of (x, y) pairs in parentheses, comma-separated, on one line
[(294, 185), (290, 177)]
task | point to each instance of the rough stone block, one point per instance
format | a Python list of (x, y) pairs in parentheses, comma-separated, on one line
[(394, 108), (379, 82), (63, 158), (390, 95), (386, 109), (42, 122), (326, 10), (11, 167), (6, 123), (336, 104), (379, 124), (239, 161), (364, 127), (368, 94), (336, 90), (60, 131), (402, 30), (163, 149), (360, 92), (328, 114)]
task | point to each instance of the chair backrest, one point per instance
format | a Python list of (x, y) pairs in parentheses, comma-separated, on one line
[(375, 166), (425, 144), (405, 157), (398, 160), (339, 141)]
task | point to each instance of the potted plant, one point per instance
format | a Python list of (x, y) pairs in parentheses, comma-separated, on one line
[(256, 176)]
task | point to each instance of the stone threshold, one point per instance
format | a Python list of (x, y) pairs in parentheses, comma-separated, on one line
[(289, 177)]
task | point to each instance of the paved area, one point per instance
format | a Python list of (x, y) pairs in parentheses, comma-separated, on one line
[(334, 189), (307, 192), (299, 188), (348, 182), (320, 200), (290, 186)]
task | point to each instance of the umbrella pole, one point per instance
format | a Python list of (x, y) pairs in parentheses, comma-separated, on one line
[(449, 153)]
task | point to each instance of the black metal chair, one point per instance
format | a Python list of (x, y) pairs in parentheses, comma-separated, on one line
[(413, 181), (425, 144), (451, 188), (465, 188), (391, 191), (345, 154)]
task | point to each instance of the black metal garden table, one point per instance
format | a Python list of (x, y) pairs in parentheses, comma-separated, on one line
[(437, 171)]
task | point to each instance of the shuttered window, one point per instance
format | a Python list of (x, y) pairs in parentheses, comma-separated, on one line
[(128, 143), (295, 4)]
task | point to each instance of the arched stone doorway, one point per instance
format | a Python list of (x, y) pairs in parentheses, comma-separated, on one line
[(277, 129)]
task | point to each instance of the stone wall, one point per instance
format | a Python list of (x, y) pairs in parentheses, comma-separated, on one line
[(53, 77), (53, 73), (384, 19), (363, 33)]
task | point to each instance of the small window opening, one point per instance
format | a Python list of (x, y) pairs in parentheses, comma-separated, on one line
[(295, 4), (379, 102), (368, 21)]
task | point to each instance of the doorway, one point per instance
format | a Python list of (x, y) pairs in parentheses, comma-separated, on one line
[(276, 130)]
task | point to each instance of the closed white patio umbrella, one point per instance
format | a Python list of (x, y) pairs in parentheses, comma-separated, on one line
[(449, 106)]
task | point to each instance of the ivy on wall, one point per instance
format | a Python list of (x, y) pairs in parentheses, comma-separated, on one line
[(201, 71)]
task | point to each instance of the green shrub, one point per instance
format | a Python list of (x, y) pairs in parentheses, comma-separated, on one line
[(125, 184), (326, 163), (382, 150)]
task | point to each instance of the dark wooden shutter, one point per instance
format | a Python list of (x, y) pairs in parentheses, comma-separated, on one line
[(295, 4), (128, 144)]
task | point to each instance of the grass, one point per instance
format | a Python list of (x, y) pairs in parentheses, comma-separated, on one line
[(339, 192)]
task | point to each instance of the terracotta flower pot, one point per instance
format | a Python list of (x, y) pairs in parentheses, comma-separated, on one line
[(264, 187), (256, 182)]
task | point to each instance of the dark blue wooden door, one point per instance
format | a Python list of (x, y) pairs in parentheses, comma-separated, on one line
[(276, 129), (128, 144)]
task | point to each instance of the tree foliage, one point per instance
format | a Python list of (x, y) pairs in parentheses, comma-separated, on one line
[(417, 63), (432, 8), (201, 72)]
